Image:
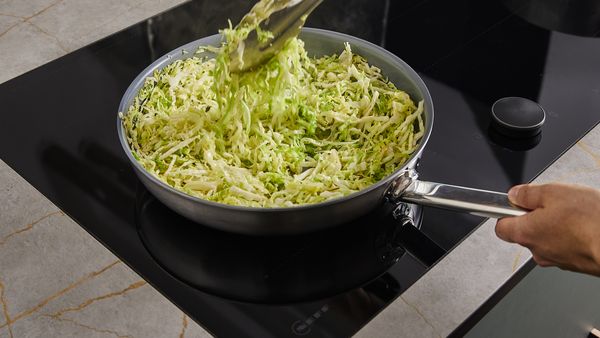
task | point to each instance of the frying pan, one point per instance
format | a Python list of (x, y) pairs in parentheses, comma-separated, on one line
[(400, 186)]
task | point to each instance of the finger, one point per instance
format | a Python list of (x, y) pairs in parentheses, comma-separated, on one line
[(517, 230), (539, 260), (527, 196), (507, 229)]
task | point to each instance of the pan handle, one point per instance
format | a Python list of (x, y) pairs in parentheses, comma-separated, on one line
[(407, 188)]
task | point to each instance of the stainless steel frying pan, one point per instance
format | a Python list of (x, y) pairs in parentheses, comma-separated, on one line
[(401, 186)]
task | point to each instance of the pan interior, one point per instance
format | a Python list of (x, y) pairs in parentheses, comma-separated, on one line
[(318, 42)]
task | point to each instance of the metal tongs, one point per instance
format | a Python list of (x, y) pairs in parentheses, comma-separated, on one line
[(285, 21)]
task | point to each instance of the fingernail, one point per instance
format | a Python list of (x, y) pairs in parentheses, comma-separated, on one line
[(513, 192)]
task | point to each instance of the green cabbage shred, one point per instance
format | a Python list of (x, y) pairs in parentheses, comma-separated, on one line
[(296, 130)]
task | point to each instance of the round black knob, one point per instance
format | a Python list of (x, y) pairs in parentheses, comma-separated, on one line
[(517, 117)]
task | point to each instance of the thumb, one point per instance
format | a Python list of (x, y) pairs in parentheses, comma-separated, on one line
[(528, 196)]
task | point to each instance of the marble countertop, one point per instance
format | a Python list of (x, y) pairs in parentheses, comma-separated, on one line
[(57, 280)]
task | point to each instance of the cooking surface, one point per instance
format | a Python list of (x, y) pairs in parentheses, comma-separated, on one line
[(62, 116), (277, 270)]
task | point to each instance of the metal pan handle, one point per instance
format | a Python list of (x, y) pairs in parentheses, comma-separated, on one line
[(407, 188)]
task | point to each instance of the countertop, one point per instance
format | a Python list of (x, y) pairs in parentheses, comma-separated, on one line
[(57, 280)]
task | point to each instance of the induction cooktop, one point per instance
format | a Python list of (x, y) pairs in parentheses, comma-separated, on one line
[(328, 284)]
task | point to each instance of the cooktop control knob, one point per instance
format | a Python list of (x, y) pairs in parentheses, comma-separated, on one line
[(517, 117)]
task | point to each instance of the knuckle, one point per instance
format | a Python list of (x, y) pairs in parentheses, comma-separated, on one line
[(525, 230), (546, 189), (522, 233), (528, 195), (522, 238), (551, 190), (541, 261)]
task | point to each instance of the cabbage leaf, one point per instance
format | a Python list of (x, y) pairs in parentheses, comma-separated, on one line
[(296, 130)]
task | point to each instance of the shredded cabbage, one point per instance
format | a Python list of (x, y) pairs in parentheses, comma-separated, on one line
[(296, 130)]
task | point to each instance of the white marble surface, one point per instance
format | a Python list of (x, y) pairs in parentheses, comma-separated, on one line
[(56, 280), (34, 32)]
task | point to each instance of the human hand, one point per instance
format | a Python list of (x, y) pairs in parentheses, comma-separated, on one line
[(562, 229)]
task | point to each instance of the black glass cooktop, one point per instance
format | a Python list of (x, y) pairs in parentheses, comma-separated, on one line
[(58, 131)]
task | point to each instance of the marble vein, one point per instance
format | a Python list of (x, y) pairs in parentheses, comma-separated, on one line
[(517, 259), (91, 328), (5, 310), (58, 294), (588, 150), (29, 226), (412, 306), (27, 19), (42, 10), (90, 301), (184, 326), (60, 45), (9, 28)]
